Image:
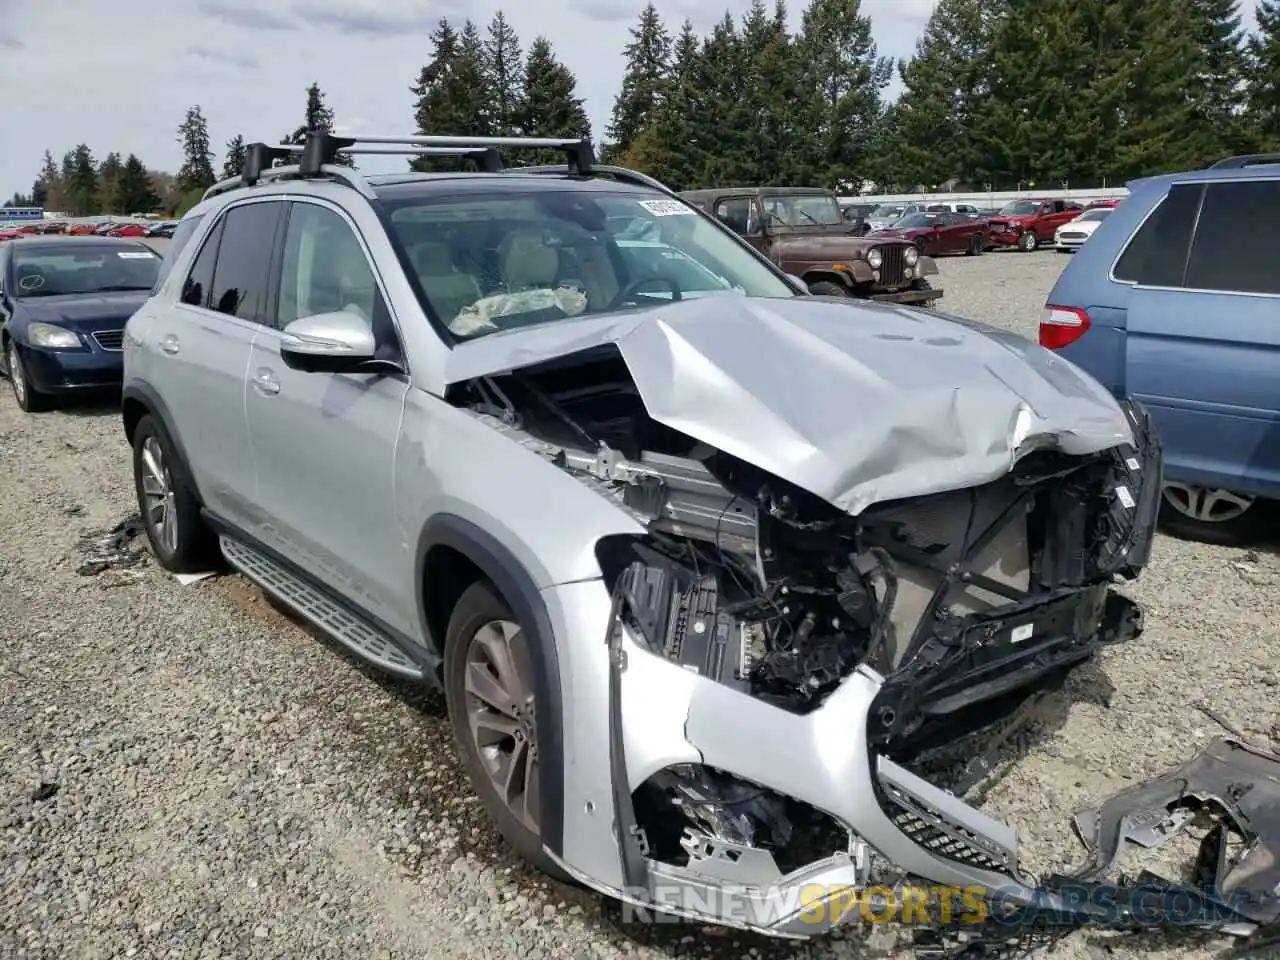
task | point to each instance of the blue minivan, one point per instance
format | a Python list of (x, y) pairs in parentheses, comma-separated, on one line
[(1175, 302)]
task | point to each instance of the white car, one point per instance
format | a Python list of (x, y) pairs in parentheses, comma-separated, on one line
[(1072, 234)]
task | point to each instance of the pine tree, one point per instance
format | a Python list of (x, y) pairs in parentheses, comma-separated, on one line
[(1264, 77), (504, 73), (50, 185), (82, 184), (317, 115), (943, 88), (846, 77), (717, 77), (450, 91), (196, 172), (134, 192), (233, 165), (549, 106), (648, 58), (108, 172), (674, 147)]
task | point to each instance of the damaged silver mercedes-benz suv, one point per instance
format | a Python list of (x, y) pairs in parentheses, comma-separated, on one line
[(702, 563)]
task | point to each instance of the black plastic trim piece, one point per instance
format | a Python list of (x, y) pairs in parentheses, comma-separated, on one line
[(517, 588)]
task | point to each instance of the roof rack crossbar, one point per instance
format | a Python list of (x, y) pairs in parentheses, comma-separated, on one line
[(1246, 160), (322, 147)]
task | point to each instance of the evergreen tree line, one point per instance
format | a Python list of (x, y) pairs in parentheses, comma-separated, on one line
[(999, 94)]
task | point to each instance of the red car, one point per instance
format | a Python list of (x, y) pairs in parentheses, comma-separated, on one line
[(80, 229), (128, 230), (10, 233), (935, 233), (1026, 224)]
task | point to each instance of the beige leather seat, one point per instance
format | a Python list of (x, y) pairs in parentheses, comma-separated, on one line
[(527, 262), (448, 289)]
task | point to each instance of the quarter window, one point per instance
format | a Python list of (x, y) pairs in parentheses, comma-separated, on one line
[(1157, 253), (244, 260), (195, 289), (1236, 236), (181, 237)]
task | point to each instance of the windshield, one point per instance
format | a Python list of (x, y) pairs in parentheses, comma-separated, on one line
[(490, 263), (1098, 214), (802, 210), (918, 220), (1020, 207), (887, 211), (57, 272)]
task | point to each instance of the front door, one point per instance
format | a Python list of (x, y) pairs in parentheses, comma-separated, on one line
[(743, 215), (324, 444), (1203, 336)]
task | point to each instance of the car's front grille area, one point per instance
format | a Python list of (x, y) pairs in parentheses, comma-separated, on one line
[(110, 339), (932, 831), (892, 266), (1073, 236)]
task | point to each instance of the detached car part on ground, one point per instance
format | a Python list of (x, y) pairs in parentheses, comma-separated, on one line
[(802, 230), (702, 579)]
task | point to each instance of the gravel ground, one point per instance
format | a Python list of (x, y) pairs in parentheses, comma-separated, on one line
[(186, 772)]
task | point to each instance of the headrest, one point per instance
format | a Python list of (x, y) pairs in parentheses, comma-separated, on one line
[(527, 261)]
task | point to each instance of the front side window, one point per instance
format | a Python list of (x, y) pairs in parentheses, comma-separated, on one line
[(324, 269), (736, 213), (489, 263), (95, 268), (1236, 236)]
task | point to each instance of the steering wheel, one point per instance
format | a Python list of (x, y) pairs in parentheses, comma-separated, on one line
[(634, 287)]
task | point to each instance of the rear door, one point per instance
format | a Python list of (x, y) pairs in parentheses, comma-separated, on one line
[(1203, 344)]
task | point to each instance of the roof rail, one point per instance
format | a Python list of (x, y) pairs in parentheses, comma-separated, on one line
[(1246, 160), (618, 173)]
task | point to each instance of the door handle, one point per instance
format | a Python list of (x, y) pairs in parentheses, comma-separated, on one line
[(264, 381), (169, 345)]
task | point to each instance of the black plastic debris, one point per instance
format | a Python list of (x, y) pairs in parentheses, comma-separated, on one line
[(45, 791), (121, 547)]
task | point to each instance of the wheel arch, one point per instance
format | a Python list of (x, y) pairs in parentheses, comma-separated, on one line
[(838, 277), (458, 553), (139, 399)]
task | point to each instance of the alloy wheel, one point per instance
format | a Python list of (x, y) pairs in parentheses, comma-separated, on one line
[(157, 489), (16, 377), (1206, 504), (500, 716)]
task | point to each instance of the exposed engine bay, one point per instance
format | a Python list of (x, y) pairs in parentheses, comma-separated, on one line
[(961, 601), (764, 587)]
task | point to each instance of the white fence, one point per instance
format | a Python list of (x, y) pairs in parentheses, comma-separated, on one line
[(995, 199)]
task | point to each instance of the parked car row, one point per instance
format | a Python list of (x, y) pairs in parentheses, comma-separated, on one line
[(127, 227)]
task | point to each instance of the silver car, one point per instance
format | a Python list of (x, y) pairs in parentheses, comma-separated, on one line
[(701, 576)]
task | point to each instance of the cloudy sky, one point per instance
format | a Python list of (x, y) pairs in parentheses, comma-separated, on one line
[(119, 75)]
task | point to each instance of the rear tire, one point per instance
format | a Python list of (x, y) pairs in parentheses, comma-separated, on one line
[(977, 245), (827, 288), (483, 640), (179, 537)]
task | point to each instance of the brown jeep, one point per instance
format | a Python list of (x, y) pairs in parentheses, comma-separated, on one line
[(802, 230)]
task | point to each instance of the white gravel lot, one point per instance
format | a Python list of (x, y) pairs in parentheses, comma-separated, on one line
[(227, 784)]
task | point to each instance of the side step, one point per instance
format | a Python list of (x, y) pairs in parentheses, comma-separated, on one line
[(349, 629)]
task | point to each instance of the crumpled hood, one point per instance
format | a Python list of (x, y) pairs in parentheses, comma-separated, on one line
[(84, 311), (856, 403)]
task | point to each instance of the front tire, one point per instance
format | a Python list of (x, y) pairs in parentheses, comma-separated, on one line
[(827, 288), (1028, 242), (488, 680), (28, 398), (167, 502)]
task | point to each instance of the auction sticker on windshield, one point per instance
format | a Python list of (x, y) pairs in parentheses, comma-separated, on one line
[(667, 208), (135, 255)]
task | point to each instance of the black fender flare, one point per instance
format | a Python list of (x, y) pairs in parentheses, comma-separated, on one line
[(500, 566), (139, 391)]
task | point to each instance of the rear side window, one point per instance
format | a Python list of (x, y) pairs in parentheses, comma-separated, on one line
[(181, 237), (244, 260), (1157, 254), (1236, 239)]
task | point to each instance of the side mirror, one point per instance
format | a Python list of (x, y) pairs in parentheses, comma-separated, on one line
[(328, 343), (798, 282)]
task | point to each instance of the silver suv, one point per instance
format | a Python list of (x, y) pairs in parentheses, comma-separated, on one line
[(703, 564)]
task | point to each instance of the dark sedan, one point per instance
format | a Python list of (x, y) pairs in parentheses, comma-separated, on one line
[(63, 305), (936, 233)]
